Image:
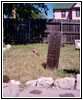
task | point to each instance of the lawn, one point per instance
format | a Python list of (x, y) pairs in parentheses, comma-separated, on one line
[(20, 63)]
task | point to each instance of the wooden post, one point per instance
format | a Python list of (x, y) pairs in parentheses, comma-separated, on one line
[(53, 50), (29, 31), (61, 30)]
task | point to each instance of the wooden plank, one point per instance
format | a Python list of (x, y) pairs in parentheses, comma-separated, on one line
[(71, 32)]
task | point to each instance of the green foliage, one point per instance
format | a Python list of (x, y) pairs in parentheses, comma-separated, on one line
[(25, 10)]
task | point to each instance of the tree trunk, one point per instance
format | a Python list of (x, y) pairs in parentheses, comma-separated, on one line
[(14, 12)]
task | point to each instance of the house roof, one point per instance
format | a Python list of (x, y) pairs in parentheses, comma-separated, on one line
[(63, 5)]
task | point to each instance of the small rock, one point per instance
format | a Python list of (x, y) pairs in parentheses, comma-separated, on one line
[(78, 82), (8, 46), (44, 82), (17, 82), (31, 83), (12, 81), (6, 79), (65, 83), (4, 48)]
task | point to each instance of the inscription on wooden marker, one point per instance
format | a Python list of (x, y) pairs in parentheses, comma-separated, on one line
[(54, 44)]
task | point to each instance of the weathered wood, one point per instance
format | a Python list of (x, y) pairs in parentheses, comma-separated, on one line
[(22, 31), (53, 50)]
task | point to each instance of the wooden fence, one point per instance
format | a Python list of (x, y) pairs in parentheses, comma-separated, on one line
[(23, 31)]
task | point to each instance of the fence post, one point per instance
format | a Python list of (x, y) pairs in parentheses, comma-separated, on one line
[(61, 30), (29, 31), (61, 27)]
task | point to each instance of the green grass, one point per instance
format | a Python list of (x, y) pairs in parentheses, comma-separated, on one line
[(20, 63)]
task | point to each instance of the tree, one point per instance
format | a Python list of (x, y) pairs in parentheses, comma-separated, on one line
[(24, 10), (42, 16)]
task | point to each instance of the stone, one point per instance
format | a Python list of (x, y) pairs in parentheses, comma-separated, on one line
[(6, 79), (8, 46), (4, 48), (67, 95), (15, 82), (12, 81), (44, 82), (31, 83), (10, 90), (65, 83), (78, 82)]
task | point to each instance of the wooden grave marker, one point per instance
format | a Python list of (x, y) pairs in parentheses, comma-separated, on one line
[(54, 44)]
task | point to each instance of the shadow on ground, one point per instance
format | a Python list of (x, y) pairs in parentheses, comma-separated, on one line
[(44, 65), (64, 71), (70, 71)]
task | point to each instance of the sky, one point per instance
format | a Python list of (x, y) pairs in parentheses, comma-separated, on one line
[(50, 12)]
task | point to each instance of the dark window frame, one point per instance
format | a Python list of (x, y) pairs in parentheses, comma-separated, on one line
[(63, 15), (77, 14)]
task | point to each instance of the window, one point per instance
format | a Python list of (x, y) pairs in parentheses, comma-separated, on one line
[(77, 12), (63, 14)]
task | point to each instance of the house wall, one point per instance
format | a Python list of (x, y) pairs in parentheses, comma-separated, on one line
[(74, 17), (77, 5), (70, 14), (57, 14)]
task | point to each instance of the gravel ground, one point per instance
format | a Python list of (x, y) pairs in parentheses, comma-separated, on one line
[(14, 91)]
